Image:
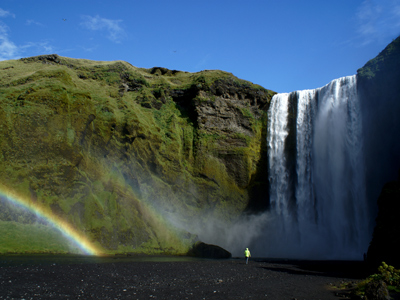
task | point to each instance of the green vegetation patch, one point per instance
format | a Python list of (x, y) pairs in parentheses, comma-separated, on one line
[(21, 238), (387, 61), (387, 274)]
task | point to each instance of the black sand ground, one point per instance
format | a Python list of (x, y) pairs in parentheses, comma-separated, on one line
[(193, 279)]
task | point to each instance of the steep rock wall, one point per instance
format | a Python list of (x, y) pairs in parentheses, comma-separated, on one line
[(379, 89)]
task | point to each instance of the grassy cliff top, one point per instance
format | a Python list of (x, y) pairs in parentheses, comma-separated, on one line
[(111, 72), (387, 62)]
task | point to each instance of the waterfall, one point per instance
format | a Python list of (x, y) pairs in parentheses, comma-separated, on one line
[(317, 195), (278, 175)]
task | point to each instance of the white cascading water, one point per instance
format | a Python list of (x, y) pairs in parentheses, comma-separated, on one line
[(320, 212), (278, 175)]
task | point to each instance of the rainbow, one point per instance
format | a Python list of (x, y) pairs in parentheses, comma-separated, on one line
[(66, 229)]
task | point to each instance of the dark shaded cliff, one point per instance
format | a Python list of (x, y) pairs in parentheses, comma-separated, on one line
[(127, 156), (385, 244), (379, 89)]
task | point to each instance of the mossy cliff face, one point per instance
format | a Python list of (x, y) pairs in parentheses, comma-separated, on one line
[(119, 152)]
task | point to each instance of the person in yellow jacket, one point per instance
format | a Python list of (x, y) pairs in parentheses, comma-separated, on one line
[(247, 255)]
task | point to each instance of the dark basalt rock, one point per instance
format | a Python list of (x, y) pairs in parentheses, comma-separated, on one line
[(204, 250)]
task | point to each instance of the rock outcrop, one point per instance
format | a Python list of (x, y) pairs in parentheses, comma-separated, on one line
[(376, 290), (204, 250)]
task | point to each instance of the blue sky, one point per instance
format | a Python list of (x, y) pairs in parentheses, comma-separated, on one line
[(283, 45)]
